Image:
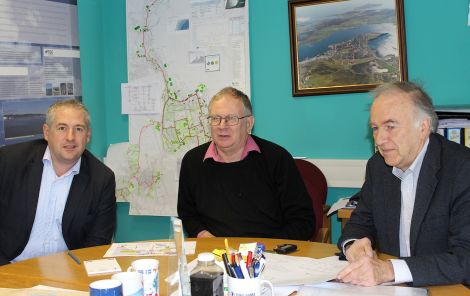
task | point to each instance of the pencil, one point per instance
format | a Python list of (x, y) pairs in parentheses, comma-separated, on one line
[(73, 257)]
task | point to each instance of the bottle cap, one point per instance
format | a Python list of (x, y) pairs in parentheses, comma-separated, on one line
[(205, 257)]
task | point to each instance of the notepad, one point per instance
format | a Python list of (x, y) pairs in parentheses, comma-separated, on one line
[(101, 266)]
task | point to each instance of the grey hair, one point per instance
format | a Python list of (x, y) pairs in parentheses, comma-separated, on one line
[(50, 115), (421, 100), (236, 94)]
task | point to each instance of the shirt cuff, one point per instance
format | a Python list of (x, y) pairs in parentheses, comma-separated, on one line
[(402, 271), (345, 243)]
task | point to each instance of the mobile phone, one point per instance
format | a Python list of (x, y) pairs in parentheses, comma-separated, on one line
[(285, 248)]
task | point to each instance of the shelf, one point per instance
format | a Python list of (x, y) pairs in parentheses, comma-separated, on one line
[(456, 111)]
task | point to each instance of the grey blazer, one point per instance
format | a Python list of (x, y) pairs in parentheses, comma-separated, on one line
[(89, 217), (440, 226)]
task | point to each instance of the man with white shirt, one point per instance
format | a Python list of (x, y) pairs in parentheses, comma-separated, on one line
[(415, 202), (54, 194)]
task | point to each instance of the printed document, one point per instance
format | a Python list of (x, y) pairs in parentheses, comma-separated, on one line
[(282, 270), (148, 249)]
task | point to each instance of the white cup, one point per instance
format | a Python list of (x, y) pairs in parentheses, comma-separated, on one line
[(251, 286), (149, 270), (132, 283)]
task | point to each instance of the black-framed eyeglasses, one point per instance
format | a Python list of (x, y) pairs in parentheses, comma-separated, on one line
[(229, 119)]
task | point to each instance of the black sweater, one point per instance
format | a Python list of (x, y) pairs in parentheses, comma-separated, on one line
[(262, 195)]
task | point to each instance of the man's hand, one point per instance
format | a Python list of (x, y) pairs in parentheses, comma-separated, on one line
[(204, 233), (360, 248), (367, 271)]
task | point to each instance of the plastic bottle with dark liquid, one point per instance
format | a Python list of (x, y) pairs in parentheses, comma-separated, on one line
[(207, 278)]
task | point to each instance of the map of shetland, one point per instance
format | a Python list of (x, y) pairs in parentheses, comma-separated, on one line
[(187, 50)]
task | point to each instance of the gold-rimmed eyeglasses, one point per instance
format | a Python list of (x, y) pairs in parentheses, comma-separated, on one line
[(229, 119)]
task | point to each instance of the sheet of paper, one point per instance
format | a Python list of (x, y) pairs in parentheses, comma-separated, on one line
[(101, 266), (148, 249), (340, 289), (284, 270), (285, 290), (41, 291), (454, 122), (116, 159), (49, 288), (141, 98), (339, 204)]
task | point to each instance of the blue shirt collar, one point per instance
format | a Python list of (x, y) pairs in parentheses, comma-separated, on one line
[(47, 159), (415, 167)]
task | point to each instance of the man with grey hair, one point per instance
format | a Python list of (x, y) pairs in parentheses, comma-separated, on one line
[(415, 201), (54, 194), (239, 184)]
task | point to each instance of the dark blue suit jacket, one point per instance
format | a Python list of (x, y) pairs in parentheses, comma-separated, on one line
[(440, 226), (89, 217)]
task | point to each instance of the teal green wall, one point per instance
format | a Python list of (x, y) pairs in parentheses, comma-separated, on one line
[(93, 72), (335, 126), (329, 126)]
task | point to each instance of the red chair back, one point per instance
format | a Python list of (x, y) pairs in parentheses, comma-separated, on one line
[(317, 188)]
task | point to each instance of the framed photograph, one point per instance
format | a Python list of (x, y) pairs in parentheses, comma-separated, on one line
[(344, 46)]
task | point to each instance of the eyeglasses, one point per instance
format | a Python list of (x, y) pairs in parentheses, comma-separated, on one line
[(229, 119)]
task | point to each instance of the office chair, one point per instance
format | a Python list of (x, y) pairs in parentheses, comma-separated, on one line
[(317, 188)]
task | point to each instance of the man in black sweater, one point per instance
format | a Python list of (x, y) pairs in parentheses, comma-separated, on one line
[(239, 184)]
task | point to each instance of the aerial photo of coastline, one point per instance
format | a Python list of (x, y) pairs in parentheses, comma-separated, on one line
[(347, 43)]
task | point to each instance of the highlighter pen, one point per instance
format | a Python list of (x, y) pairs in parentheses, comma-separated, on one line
[(249, 258), (73, 257), (227, 249)]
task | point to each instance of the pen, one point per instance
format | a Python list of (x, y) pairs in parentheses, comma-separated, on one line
[(238, 272), (243, 268), (251, 271), (256, 269), (262, 265), (259, 267), (237, 260), (227, 266), (73, 257)]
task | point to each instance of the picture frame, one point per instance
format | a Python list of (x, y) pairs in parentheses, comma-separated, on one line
[(346, 46)]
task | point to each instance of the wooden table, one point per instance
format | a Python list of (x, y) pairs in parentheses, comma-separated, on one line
[(59, 270)]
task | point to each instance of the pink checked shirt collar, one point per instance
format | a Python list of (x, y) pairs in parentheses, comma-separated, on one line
[(249, 146)]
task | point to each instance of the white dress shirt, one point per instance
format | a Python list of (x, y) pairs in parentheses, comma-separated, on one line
[(409, 182), (46, 235)]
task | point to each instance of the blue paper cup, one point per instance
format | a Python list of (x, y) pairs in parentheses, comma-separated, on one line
[(106, 288)]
